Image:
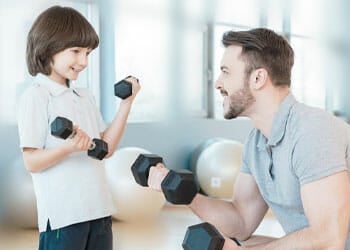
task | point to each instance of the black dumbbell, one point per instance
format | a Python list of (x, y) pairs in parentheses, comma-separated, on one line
[(204, 236), (123, 88), (63, 128), (179, 187)]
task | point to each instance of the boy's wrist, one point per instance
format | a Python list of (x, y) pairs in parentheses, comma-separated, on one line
[(126, 103)]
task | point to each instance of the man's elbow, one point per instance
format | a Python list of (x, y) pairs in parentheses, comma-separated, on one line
[(331, 239)]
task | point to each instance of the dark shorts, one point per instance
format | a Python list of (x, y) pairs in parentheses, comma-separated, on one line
[(89, 235)]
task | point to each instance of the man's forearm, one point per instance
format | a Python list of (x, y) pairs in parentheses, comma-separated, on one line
[(227, 220), (306, 238)]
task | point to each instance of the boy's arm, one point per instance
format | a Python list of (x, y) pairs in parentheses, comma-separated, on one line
[(114, 131), (37, 160)]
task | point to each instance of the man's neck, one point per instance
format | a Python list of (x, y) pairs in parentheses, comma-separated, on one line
[(266, 107)]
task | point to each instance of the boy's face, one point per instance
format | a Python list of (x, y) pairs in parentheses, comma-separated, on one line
[(234, 84), (68, 63)]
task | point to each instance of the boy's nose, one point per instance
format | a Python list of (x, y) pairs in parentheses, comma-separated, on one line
[(83, 60)]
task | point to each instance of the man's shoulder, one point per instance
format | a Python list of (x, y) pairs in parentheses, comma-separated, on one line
[(305, 120)]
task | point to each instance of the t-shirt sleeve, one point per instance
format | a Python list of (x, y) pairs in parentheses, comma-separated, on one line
[(320, 149), (32, 118)]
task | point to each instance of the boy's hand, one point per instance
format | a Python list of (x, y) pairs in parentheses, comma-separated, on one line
[(135, 87), (156, 176), (80, 141)]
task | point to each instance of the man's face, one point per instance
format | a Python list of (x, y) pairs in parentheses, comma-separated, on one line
[(233, 84)]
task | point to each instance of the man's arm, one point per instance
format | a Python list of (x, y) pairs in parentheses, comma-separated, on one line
[(327, 206), (237, 218)]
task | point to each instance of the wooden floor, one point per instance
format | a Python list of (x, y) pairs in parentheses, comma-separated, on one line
[(166, 232)]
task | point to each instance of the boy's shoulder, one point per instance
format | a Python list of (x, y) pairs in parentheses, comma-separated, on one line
[(35, 91)]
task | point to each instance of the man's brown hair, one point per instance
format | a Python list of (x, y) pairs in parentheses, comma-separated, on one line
[(54, 30), (263, 48)]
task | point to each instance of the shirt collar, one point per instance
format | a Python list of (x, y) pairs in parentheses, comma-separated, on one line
[(53, 87), (279, 123)]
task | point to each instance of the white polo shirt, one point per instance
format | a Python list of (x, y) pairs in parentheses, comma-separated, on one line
[(75, 189)]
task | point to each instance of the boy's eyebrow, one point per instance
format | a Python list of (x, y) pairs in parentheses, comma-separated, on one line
[(223, 67)]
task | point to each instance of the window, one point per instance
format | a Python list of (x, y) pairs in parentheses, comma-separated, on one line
[(307, 74), (161, 43), (242, 16), (291, 19)]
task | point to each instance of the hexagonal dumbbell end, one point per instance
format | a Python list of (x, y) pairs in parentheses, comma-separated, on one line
[(140, 168), (179, 187), (123, 89), (203, 236), (61, 127), (99, 149)]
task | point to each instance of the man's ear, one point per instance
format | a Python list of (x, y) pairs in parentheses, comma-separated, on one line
[(259, 78)]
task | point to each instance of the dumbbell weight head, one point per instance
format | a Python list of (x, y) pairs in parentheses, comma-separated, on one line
[(140, 168), (203, 236), (98, 149), (61, 127), (179, 187), (123, 88)]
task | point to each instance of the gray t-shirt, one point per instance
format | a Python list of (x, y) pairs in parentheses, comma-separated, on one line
[(305, 145)]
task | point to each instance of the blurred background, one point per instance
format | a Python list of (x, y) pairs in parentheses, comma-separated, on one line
[(174, 48)]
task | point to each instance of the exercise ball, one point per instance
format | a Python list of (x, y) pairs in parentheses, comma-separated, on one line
[(19, 202), (216, 163), (133, 202)]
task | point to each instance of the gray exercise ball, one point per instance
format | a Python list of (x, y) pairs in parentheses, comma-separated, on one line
[(216, 164), (134, 203)]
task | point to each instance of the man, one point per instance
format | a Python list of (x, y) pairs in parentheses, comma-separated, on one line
[(296, 159)]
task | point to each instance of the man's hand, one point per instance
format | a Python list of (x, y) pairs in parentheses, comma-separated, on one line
[(156, 176)]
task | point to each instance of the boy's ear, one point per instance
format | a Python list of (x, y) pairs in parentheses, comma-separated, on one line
[(259, 77)]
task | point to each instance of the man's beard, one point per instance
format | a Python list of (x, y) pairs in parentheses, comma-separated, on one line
[(239, 101)]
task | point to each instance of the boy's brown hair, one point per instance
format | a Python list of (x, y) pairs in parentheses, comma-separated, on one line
[(54, 30)]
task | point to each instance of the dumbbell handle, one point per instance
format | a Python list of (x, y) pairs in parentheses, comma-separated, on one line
[(62, 128), (179, 187), (92, 145)]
